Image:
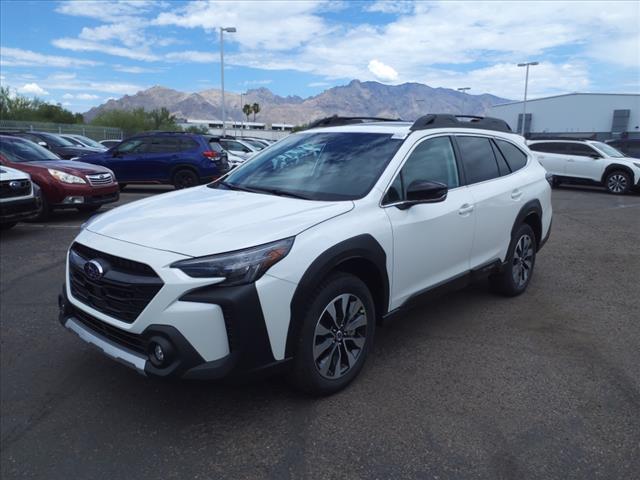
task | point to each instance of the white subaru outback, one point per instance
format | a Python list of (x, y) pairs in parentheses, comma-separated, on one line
[(293, 258)]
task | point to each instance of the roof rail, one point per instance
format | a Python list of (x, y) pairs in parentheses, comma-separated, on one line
[(335, 120), (551, 137), (444, 120)]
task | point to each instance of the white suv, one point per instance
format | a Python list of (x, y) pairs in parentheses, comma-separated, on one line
[(293, 258), (587, 161)]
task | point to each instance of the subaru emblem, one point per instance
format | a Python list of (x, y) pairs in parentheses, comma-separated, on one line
[(93, 270)]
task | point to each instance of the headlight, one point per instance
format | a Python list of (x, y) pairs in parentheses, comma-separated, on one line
[(239, 267), (65, 177)]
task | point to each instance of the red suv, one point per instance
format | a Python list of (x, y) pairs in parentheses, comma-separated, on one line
[(64, 183)]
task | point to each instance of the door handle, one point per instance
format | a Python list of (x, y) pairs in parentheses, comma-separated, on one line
[(465, 209), (516, 194)]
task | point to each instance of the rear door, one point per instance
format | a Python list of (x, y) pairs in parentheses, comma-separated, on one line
[(496, 195), (553, 156), (431, 241)]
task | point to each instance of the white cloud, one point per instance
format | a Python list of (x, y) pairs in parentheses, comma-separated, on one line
[(105, 10), (32, 89), (248, 83), (79, 45), (390, 6), (67, 96), (135, 69), (318, 84), (17, 57), (192, 56), (382, 71), (80, 96)]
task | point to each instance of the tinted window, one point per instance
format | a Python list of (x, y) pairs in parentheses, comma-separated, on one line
[(432, 160), (515, 157), (502, 163), (478, 159), (19, 150), (581, 150), (187, 144), (234, 146), (135, 145), (55, 140), (163, 144), (318, 166), (549, 147)]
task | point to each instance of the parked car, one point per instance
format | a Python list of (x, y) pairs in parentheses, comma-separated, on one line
[(58, 145), (180, 159), (238, 147), (82, 141), (19, 197), (629, 146), (64, 183), (255, 143), (110, 143), (587, 162), (291, 262)]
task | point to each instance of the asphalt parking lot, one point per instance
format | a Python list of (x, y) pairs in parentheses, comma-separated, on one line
[(546, 385)]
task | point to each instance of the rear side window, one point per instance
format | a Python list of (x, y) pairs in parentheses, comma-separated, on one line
[(478, 159), (550, 147), (187, 144), (512, 154)]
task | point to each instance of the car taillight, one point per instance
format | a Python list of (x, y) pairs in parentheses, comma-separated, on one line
[(210, 154)]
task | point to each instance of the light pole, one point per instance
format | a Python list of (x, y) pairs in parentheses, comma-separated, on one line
[(526, 85), (222, 30), (463, 90)]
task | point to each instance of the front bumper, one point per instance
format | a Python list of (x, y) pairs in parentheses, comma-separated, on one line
[(211, 332), (70, 201), (14, 211)]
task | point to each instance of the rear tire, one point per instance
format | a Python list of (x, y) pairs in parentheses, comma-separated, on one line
[(516, 274), (618, 182), (332, 347), (185, 178)]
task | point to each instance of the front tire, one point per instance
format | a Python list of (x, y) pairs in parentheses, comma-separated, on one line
[(618, 182), (336, 335), (518, 270)]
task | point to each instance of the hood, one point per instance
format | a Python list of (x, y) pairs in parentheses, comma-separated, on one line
[(76, 151), (68, 166), (204, 221)]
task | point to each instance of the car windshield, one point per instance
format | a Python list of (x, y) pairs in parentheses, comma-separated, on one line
[(75, 141), (608, 150), (18, 150), (253, 143), (55, 140), (317, 166)]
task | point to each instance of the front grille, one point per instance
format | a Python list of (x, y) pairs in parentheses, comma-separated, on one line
[(100, 179), (15, 188), (123, 291), (123, 338)]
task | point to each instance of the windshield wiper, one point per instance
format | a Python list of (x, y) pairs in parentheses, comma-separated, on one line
[(272, 191)]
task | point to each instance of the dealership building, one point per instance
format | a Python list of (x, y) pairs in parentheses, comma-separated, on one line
[(582, 115)]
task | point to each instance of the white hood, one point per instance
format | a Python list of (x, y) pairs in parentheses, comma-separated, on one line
[(204, 221)]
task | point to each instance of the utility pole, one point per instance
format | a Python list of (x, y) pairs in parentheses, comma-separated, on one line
[(222, 30), (526, 85)]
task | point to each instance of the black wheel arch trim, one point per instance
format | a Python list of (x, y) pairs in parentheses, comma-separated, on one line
[(532, 206), (361, 247), (615, 167)]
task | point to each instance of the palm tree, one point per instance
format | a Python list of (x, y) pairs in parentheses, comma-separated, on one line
[(256, 109), (247, 109)]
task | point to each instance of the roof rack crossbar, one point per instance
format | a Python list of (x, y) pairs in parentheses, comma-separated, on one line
[(445, 120), (336, 120)]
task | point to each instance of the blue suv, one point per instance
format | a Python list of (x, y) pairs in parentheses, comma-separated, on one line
[(179, 159)]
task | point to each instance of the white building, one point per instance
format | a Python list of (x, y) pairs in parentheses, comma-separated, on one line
[(597, 115)]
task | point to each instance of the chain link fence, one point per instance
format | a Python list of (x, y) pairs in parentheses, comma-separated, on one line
[(92, 131)]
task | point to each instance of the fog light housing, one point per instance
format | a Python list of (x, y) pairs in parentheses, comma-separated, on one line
[(73, 200), (160, 352)]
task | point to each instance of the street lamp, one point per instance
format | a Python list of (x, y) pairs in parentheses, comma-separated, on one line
[(526, 84), (222, 30), (463, 90)]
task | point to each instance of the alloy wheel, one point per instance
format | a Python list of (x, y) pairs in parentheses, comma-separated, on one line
[(340, 336), (617, 183), (522, 261)]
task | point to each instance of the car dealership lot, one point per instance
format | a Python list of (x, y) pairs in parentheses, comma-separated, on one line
[(471, 385)]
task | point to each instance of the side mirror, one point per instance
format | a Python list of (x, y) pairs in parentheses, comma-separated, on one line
[(424, 191), (43, 144)]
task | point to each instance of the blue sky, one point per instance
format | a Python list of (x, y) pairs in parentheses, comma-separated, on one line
[(81, 53)]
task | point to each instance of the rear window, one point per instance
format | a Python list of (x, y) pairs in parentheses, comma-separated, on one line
[(515, 157), (478, 159)]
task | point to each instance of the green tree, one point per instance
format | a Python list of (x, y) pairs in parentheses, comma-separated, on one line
[(247, 110), (137, 120), (162, 119), (255, 108), (19, 107), (201, 129)]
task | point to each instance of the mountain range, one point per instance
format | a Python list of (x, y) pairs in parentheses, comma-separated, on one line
[(407, 101)]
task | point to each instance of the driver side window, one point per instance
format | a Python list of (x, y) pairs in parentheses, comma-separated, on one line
[(432, 160), (135, 145)]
